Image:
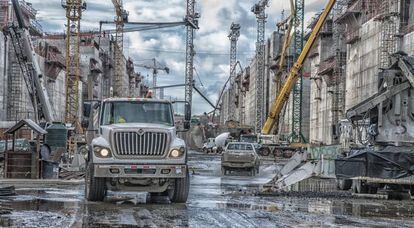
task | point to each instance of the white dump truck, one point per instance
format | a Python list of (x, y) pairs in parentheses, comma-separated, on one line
[(135, 148)]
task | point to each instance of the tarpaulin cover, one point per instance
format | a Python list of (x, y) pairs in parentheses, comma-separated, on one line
[(388, 163)]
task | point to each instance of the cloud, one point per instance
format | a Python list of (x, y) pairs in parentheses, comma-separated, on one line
[(168, 45)]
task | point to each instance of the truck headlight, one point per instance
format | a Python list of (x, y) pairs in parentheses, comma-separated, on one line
[(175, 153), (102, 152)]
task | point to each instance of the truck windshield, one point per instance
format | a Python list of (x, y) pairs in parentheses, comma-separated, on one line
[(137, 112)]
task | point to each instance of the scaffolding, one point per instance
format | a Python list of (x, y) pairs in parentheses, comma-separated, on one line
[(338, 77), (389, 18)]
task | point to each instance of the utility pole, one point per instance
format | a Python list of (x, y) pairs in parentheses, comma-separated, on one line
[(192, 24), (233, 36), (297, 135), (74, 10), (259, 10)]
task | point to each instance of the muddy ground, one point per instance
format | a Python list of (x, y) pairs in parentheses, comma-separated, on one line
[(214, 201)]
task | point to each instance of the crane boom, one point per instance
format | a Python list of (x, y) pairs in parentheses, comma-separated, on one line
[(291, 79)]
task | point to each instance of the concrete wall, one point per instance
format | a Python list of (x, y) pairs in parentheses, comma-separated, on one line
[(362, 64)]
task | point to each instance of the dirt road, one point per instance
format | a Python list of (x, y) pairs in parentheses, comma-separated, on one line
[(214, 201)]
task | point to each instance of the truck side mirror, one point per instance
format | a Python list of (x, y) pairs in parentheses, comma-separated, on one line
[(187, 116)]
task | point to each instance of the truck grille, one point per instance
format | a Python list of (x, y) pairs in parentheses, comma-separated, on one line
[(146, 144)]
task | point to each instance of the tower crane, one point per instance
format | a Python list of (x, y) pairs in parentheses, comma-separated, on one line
[(155, 66), (297, 135), (259, 10), (192, 24), (233, 36), (120, 19), (74, 10)]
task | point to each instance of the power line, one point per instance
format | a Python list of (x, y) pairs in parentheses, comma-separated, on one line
[(197, 53)]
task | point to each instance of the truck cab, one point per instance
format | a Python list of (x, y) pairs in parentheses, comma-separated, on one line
[(135, 148)]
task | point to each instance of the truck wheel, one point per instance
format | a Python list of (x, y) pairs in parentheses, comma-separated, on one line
[(359, 186), (344, 184), (265, 151), (179, 192), (95, 189), (253, 171), (223, 171)]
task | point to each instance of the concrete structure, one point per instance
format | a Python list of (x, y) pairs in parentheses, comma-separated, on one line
[(374, 31)]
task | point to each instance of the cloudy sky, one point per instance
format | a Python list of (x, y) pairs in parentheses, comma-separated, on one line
[(168, 45)]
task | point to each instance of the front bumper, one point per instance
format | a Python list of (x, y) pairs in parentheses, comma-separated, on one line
[(238, 164), (139, 171)]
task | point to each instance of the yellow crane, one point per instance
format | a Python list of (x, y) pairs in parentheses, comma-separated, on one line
[(292, 77), (120, 19), (74, 10), (286, 43)]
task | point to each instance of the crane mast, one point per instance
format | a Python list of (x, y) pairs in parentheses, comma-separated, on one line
[(259, 10), (296, 135), (74, 10), (233, 36), (120, 19), (192, 24), (293, 75)]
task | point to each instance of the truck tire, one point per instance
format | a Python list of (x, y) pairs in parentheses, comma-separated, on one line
[(253, 172), (179, 192), (344, 184), (223, 171), (360, 187), (95, 189), (265, 151)]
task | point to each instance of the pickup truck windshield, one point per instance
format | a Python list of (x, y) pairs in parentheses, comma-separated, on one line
[(137, 112), (248, 138)]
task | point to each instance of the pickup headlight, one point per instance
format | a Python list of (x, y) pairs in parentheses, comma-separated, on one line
[(102, 152), (176, 153)]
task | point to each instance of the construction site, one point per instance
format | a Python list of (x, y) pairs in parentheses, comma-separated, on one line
[(312, 127)]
